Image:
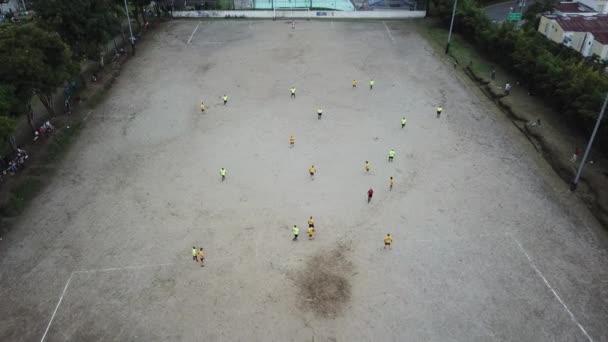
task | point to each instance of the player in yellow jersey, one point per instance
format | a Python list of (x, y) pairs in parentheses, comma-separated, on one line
[(312, 171), (311, 232), (201, 257), (388, 239), (292, 141)]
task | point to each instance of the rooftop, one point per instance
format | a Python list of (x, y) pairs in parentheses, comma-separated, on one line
[(573, 7), (597, 23), (601, 37)]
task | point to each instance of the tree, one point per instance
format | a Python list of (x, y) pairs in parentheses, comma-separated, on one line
[(34, 61), (8, 101), (85, 25)]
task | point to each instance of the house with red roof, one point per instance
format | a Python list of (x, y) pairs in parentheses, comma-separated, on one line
[(587, 34)]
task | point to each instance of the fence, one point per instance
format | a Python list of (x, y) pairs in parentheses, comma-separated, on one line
[(337, 5), (302, 14)]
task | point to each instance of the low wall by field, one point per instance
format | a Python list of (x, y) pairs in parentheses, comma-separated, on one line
[(302, 14)]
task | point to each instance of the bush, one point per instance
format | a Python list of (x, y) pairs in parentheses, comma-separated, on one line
[(571, 84)]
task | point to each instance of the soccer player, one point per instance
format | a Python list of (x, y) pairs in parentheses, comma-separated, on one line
[(311, 231), (202, 106), (368, 166), (311, 223), (391, 183), (312, 171), (194, 253), (223, 173), (293, 92), (319, 113), (225, 98), (201, 257), (403, 122), (292, 141), (370, 194), (388, 239), (354, 83), (371, 84), (439, 110), (296, 232), (391, 155)]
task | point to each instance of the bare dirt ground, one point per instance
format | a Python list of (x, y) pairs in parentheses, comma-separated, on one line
[(489, 244)]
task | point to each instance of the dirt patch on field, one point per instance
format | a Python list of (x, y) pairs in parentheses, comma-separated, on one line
[(324, 284)]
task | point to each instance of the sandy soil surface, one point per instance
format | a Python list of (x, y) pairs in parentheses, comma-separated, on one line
[(489, 244)]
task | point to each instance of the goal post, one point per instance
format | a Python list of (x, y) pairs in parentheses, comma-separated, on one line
[(291, 13)]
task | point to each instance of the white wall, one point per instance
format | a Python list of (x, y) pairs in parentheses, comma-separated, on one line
[(14, 5), (389, 14)]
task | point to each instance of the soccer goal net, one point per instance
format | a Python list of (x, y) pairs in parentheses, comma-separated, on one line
[(291, 13)]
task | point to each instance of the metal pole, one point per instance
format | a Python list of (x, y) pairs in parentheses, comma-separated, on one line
[(130, 29), (447, 47), (24, 8), (582, 164)]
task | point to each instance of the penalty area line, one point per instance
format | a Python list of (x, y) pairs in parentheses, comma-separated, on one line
[(559, 299), (193, 32), (65, 288)]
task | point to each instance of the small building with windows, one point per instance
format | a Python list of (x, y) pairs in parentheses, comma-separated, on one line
[(586, 34)]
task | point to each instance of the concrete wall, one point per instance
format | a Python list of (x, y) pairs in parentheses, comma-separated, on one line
[(547, 28), (578, 39), (12, 5), (389, 14), (600, 50)]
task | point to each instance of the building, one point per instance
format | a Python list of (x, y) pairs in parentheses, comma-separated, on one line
[(601, 6), (574, 8), (586, 34), (14, 6)]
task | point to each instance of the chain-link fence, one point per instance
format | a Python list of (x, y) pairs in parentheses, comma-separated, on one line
[(338, 5)]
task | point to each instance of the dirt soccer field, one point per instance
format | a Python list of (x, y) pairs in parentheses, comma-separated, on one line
[(489, 245)]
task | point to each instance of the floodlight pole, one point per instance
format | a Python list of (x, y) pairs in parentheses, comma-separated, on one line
[(582, 164), (130, 29), (447, 46)]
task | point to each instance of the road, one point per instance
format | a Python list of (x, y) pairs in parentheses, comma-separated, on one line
[(498, 12)]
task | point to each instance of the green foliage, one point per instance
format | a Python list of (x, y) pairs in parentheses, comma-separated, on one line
[(8, 101), (573, 85), (33, 61), (21, 196), (85, 25), (7, 127)]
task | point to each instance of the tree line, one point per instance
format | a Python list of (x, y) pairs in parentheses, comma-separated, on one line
[(39, 55), (573, 85)]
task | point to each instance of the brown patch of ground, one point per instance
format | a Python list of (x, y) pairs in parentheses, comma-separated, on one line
[(324, 284)]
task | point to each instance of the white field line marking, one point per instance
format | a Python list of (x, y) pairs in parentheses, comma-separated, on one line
[(129, 267), (390, 35), (550, 287), (193, 32), (57, 307), (332, 24)]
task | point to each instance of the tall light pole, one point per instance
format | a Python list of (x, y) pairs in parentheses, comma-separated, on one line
[(447, 47), (130, 29), (582, 164), (24, 8)]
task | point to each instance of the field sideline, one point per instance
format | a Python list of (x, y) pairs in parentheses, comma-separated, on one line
[(488, 243)]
